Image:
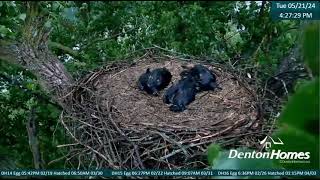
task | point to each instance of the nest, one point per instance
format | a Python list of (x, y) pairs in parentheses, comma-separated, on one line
[(115, 125)]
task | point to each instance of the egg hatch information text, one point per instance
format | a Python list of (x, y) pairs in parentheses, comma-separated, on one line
[(140, 173)]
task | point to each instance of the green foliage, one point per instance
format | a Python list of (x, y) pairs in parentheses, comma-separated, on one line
[(11, 19), (213, 153), (302, 109), (220, 160), (4, 31), (297, 140), (16, 101), (299, 120), (6, 161), (106, 31), (311, 47), (100, 32)]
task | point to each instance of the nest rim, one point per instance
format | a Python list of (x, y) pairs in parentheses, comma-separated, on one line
[(185, 148)]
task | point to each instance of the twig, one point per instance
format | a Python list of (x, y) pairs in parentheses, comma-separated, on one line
[(218, 133), (111, 163), (173, 141), (66, 145)]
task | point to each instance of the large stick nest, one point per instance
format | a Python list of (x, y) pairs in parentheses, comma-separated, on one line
[(115, 125)]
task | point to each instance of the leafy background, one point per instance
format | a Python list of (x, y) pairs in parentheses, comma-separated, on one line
[(298, 122), (86, 35)]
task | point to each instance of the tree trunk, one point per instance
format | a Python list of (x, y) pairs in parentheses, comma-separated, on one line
[(33, 54), (33, 140), (51, 72)]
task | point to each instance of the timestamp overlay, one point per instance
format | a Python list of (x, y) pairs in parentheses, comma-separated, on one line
[(298, 10)]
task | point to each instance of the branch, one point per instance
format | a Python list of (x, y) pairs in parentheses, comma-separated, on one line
[(33, 53), (101, 39), (63, 48), (262, 9), (33, 140), (255, 53)]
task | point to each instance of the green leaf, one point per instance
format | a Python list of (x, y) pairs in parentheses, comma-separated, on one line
[(302, 109), (4, 31), (227, 160), (296, 140), (213, 153), (48, 24), (22, 16), (311, 47), (6, 159), (30, 86), (31, 103)]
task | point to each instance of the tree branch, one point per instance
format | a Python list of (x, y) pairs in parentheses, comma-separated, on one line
[(64, 48), (33, 54), (101, 39), (262, 9), (33, 141)]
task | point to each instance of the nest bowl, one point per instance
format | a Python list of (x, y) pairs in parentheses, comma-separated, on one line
[(115, 125)]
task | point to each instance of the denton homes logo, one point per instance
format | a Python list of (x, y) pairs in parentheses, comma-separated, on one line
[(267, 142)]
